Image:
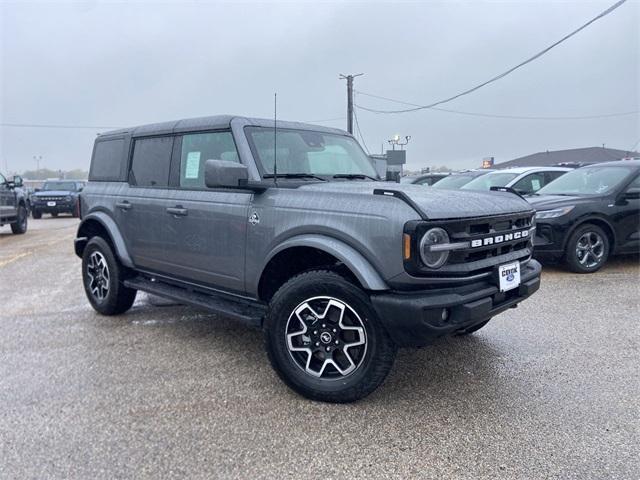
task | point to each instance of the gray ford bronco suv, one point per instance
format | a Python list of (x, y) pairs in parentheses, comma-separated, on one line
[(289, 229)]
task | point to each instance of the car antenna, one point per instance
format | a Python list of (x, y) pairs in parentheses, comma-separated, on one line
[(275, 138)]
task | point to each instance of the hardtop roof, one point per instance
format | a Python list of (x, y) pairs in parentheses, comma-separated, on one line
[(215, 122)]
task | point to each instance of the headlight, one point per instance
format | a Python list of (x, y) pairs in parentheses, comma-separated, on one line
[(434, 259), (68, 198), (556, 212)]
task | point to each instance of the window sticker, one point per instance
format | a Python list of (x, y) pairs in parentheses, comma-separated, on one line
[(192, 168), (535, 183)]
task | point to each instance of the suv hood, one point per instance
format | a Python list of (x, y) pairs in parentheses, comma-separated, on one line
[(548, 202), (436, 204)]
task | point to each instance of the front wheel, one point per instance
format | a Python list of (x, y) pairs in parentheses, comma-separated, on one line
[(36, 214), (324, 340), (587, 249), (103, 277), (20, 226)]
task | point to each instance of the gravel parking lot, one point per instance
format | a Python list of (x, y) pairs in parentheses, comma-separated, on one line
[(549, 390)]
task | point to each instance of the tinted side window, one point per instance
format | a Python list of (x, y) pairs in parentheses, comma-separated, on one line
[(551, 176), (635, 184), (108, 162), (197, 148), (531, 183), (151, 161)]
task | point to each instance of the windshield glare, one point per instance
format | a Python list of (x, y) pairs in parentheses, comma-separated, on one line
[(454, 181), (587, 181), (485, 182), (309, 152), (65, 186)]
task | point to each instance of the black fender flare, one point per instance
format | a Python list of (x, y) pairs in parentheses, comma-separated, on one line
[(108, 225)]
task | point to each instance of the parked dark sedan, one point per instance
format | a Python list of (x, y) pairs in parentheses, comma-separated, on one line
[(56, 196), (424, 179), (588, 214), (458, 179)]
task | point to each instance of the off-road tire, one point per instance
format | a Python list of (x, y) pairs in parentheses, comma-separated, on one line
[(36, 214), (117, 298), (21, 223), (601, 252), (54, 214), (375, 362)]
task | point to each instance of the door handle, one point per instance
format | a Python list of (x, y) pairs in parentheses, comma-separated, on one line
[(124, 205), (178, 211)]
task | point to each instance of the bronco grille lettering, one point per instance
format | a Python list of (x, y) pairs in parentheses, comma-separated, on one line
[(507, 237)]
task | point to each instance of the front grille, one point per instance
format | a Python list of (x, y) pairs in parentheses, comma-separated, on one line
[(496, 227), (52, 199), (497, 240)]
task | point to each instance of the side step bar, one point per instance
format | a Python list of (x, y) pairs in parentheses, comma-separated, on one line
[(248, 312)]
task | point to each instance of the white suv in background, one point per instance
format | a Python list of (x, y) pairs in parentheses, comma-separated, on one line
[(524, 180)]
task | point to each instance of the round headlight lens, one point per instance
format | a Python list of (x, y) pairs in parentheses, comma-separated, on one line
[(68, 198), (434, 259)]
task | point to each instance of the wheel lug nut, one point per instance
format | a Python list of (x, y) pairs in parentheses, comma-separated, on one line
[(317, 344), (328, 349), (337, 342), (315, 332), (334, 330), (324, 325)]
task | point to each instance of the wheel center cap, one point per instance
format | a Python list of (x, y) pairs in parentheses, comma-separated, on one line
[(325, 337)]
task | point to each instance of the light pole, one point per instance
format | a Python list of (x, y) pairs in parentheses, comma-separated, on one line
[(396, 141), (37, 158)]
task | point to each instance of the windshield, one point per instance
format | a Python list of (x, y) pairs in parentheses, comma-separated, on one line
[(587, 181), (454, 181), (485, 182), (308, 152), (65, 186)]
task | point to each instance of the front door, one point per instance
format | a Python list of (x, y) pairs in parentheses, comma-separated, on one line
[(7, 203), (207, 228)]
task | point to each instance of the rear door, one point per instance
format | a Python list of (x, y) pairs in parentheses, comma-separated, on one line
[(140, 207), (206, 228), (627, 220)]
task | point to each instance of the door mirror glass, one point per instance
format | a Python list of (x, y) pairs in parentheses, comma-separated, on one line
[(17, 181), (225, 174)]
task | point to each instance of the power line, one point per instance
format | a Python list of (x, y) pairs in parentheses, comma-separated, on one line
[(325, 120), (364, 144), (504, 74), (32, 125), (491, 115)]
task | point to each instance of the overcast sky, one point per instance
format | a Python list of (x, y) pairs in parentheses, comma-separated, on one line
[(128, 63)]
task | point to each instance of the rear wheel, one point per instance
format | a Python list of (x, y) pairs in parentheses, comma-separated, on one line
[(20, 226), (324, 340), (103, 277), (587, 249)]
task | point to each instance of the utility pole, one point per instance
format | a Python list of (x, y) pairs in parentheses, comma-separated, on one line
[(349, 79)]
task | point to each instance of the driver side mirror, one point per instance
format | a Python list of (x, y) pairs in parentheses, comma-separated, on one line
[(632, 194), (225, 174), (17, 181)]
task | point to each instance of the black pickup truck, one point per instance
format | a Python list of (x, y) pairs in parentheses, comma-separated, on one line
[(13, 204)]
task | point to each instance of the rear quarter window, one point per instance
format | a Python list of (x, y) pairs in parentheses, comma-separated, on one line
[(108, 163)]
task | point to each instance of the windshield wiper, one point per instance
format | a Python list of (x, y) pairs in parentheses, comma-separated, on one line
[(294, 175), (351, 176)]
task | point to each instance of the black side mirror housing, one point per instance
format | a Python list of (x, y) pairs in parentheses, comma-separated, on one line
[(17, 181), (632, 194), (225, 174)]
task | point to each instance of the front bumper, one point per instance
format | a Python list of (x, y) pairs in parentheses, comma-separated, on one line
[(415, 318), (58, 208)]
